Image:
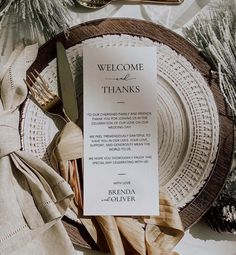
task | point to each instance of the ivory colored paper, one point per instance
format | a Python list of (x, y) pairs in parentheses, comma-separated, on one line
[(120, 131)]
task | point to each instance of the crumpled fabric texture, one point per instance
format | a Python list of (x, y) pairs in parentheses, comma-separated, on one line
[(64, 159), (33, 197), (147, 235), (173, 17)]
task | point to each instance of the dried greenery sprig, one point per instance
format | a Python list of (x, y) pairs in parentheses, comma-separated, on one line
[(214, 33), (222, 215), (35, 21)]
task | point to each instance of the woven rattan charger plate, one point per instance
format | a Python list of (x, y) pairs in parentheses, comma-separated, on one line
[(195, 142)]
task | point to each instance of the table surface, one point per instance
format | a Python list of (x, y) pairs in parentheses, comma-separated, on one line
[(199, 239)]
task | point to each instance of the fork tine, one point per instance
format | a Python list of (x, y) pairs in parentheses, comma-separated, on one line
[(37, 98), (33, 87), (44, 83), (38, 93), (30, 87), (40, 88)]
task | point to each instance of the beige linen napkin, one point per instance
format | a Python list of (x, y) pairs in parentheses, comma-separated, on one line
[(123, 235), (33, 197), (63, 159)]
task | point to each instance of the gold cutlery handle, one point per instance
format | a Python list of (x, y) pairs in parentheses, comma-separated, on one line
[(166, 2)]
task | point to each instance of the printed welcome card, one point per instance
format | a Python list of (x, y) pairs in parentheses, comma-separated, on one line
[(120, 131)]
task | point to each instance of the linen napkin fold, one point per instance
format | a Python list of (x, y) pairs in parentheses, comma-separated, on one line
[(63, 159), (33, 197), (123, 235)]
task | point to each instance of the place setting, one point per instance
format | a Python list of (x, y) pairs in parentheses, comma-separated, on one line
[(195, 145), (125, 139)]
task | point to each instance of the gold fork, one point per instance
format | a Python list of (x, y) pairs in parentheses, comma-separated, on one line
[(52, 103), (45, 98)]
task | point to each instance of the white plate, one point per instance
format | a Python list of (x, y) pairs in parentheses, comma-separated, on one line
[(188, 124)]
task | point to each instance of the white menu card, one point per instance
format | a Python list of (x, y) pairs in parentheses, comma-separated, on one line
[(120, 131)]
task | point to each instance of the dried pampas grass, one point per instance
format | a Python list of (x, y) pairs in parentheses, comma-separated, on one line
[(33, 21), (214, 34)]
